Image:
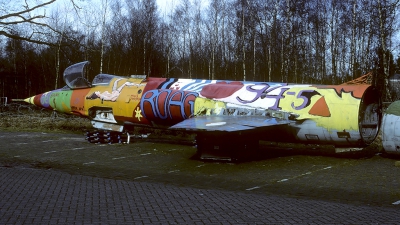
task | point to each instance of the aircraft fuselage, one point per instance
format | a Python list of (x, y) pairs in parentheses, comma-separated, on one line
[(340, 115)]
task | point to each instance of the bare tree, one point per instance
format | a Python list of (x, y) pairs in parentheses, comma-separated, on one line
[(353, 39), (104, 4), (215, 27), (29, 14), (386, 11), (182, 27)]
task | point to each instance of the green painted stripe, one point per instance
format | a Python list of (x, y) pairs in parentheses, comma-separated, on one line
[(394, 108)]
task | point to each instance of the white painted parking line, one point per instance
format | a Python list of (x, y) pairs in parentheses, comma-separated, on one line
[(77, 148), (294, 177), (140, 177), (119, 158), (173, 171), (73, 138), (253, 188), (146, 154), (49, 152), (283, 180), (88, 163), (304, 174), (396, 203)]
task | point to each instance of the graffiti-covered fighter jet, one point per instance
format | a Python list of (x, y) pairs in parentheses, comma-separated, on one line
[(229, 117)]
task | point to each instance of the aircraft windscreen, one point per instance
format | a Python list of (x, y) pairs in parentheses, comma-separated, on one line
[(74, 76), (102, 79)]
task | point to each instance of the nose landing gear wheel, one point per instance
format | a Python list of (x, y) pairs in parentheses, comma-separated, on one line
[(107, 137)]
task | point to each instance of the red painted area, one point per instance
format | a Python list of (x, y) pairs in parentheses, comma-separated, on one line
[(320, 108), (36, 100), (180, 105), (133, 119), (221, 90), (148, 106), (153, 83)]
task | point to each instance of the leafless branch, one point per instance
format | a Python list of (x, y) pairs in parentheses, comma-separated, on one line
[(26, 10), (9, 35)]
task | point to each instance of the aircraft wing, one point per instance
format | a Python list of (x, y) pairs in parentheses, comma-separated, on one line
[(229, 123)]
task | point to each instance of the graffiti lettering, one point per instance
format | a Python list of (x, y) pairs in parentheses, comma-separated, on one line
[(304, 95), (74, 108), (277, 98), (166, 103), (258, 92), (304, 98), (192, 85), (135, 97), (148, 98), (264, 92)]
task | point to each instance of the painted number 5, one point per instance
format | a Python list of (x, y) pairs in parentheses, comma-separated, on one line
[(305, 95)]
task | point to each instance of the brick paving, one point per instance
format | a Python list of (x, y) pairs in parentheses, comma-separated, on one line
[(37, 196)]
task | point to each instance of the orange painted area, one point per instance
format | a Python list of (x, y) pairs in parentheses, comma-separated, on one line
[(356, 90), (78, 101), (320, 108)]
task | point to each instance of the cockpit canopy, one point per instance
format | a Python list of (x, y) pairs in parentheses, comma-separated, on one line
[(102, 79), (74, 76)]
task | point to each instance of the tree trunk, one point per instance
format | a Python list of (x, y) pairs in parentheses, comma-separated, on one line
[(384, 60), (243, 46), (58, 62), (353, 40), (103, 35)]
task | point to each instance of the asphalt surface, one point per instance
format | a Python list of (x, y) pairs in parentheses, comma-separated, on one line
[(54, 178)]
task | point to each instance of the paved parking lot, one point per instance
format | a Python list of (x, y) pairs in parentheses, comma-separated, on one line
[(60, 178)]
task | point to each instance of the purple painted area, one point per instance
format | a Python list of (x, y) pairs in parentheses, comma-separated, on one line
[(167, 104), (45, 99), (305, 96), (258, 92), (264, 92)]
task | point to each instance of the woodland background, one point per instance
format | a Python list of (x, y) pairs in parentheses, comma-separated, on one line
[(295, 41)]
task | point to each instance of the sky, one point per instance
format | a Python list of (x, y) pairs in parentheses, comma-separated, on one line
[(166, 5), (163, 5)]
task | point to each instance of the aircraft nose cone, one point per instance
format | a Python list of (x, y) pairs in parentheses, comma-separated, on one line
[(30, 100), (35, 100)]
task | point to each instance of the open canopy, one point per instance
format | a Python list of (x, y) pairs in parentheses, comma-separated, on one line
[(74, 76)]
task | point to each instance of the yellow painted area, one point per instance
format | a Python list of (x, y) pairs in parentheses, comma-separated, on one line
[(205, 106), (65, 108), (338, 107), (138, 114), (29, 100), (122, 95)]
